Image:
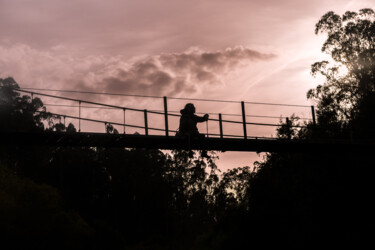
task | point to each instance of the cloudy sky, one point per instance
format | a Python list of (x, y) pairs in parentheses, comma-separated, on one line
[(234, 50)]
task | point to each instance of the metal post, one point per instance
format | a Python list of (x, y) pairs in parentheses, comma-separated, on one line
[(64, 121), (207, 128), (221, 126), (166, 116), (79, 116), (313, 114), (146, 123), (244, 120), (124, 119)]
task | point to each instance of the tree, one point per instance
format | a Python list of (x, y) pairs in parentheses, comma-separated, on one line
[(305, 200), (138, 196), (349, 88), (24, 113)]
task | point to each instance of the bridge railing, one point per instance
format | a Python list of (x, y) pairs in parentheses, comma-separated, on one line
[(166, 114)]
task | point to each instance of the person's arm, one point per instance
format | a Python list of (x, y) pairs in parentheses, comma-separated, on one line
[(201, 118)]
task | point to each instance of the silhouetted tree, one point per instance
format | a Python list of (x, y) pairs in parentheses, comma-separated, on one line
[(347, 97), (308, 200)]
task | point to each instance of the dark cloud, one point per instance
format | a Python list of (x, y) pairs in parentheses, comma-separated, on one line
[(171, 74)]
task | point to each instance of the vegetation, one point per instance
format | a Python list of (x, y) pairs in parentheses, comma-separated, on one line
[(314, 200), (135, 198), (95, 198)]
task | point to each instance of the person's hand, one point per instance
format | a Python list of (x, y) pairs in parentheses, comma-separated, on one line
[(206, 116)]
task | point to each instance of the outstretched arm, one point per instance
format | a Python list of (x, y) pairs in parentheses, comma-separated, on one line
[(201, 118)]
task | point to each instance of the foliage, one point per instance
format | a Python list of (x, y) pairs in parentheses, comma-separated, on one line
[(323, 198), (33, 216), (350, 81), (127, 197), (23, 113)]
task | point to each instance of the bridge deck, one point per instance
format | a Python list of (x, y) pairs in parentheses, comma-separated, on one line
[(171, 142)]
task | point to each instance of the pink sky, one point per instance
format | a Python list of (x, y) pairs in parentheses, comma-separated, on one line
[(233, 50)]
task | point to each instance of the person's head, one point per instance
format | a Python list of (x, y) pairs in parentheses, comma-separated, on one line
[(189, 108)]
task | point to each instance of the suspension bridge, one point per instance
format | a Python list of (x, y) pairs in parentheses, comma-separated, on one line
[(152, 137)]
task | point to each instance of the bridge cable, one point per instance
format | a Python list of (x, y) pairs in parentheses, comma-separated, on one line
[(175, 111), (175, 98), (133, 109)]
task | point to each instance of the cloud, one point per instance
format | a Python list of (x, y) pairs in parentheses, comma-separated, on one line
[(174, 73), (169, 74)]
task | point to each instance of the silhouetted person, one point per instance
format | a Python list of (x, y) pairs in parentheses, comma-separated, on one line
[(188, 122)]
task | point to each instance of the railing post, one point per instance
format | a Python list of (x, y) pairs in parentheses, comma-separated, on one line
[(313, 114), (124, 119), (244, 120), (166, 116), (64, 121), (207, 128), (79, 116), (221, 126), (146, 123)]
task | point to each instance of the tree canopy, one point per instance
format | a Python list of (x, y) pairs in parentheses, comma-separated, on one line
[(127, 197), (324, 198), (350, 76)]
